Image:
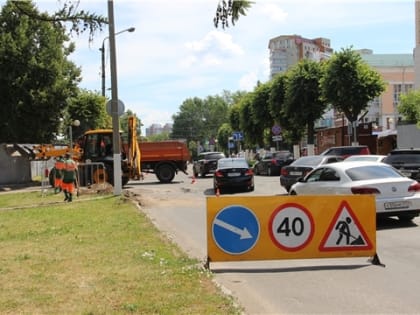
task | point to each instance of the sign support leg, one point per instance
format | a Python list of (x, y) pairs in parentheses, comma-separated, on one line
[(375, 261)]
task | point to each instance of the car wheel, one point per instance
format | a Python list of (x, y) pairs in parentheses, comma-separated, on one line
[(293, 193)]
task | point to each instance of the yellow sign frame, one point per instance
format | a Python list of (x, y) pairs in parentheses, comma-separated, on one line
[(290, 227)]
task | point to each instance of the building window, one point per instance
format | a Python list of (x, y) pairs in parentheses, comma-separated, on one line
[(400, 89)]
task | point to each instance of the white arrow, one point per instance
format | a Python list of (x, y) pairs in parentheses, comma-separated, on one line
[(242, 232)]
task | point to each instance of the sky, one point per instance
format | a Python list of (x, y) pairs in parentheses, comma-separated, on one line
[(176, 53)]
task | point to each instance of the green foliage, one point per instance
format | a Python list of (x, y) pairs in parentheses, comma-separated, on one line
[(199, 119), (303, 104), (124, 124), (409, 107), (230, 10), (36, 78), (225, 131), (349, 83), (89, 108), (260, 111), (80, 21)]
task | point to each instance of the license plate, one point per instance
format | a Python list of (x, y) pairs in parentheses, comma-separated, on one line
[(296, 173), (396, 205), (233, 174)]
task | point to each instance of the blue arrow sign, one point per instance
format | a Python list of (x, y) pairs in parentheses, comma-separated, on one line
[(235, 229)]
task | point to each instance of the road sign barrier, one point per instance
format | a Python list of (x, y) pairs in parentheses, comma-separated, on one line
[(290, 227)]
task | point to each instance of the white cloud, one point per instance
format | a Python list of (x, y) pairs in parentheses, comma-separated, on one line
[(248, 81), (274, 12)]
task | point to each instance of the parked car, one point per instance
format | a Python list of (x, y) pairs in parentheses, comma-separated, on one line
[(395, 194), (302, 166), (233, 173), (206, 163), (366, 157), (346, 151), (271, 162), (407, 161)]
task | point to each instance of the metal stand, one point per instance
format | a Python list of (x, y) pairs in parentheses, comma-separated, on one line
[(375, 261)]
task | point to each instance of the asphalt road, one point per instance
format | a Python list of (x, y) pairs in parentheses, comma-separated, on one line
[(299, 286)]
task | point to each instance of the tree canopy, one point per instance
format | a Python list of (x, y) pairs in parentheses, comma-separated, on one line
[(349, 84), (36, 78), (303, 104), (230, 10), (409, 107)]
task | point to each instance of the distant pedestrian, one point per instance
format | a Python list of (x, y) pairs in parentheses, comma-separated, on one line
[(58, 173), (69, 178)]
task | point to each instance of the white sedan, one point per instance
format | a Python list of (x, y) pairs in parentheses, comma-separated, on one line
[(396, 195)]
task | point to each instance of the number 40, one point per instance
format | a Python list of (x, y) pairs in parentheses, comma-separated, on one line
[(296, 226)]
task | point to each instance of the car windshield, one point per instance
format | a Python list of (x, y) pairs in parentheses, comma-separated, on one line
[(362, 158), (212, 156), (232, 163), (371, 172), (308, 160), (403, 158)]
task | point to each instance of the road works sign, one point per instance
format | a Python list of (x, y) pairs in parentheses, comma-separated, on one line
[(290, 227)]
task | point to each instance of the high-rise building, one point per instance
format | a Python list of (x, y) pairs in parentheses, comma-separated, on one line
[(157, 129), (288, 50)]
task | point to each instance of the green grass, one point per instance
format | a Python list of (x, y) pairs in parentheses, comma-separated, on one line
[(100, 256)]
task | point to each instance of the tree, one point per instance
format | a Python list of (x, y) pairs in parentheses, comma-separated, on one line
[(36, 79), (225, 131), (80, 20), (89, 109), (303, 104), (291, 133), (252, 132), (124, 124), (409, 107), (260, 112), (199, 119), (230, 10), (349, 84)]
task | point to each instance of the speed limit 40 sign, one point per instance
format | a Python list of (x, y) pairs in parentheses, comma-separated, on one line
[(290, 227)]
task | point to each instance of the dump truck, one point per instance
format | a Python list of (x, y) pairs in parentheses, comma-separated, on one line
[(163, 158)]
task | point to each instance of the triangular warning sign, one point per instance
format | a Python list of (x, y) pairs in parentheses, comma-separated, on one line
[(345, 232)]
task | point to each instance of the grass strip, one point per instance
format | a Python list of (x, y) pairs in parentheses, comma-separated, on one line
[(99, 256)]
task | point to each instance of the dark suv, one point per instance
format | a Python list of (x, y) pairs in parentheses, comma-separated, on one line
[(346, 151), (271, 162), (206, 163), (407, 161)]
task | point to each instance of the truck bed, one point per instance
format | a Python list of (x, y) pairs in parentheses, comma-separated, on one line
[(164, 150)]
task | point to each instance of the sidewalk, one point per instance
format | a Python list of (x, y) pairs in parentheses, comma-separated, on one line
[(8, 188)]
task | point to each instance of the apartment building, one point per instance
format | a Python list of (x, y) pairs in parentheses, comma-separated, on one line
[(287, 50), (398, 71)]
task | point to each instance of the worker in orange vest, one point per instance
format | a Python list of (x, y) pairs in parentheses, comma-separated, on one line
[(58, 173), (69, 177)]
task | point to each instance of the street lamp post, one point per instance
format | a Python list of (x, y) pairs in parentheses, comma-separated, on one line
[(102, 49), (75, 123)]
